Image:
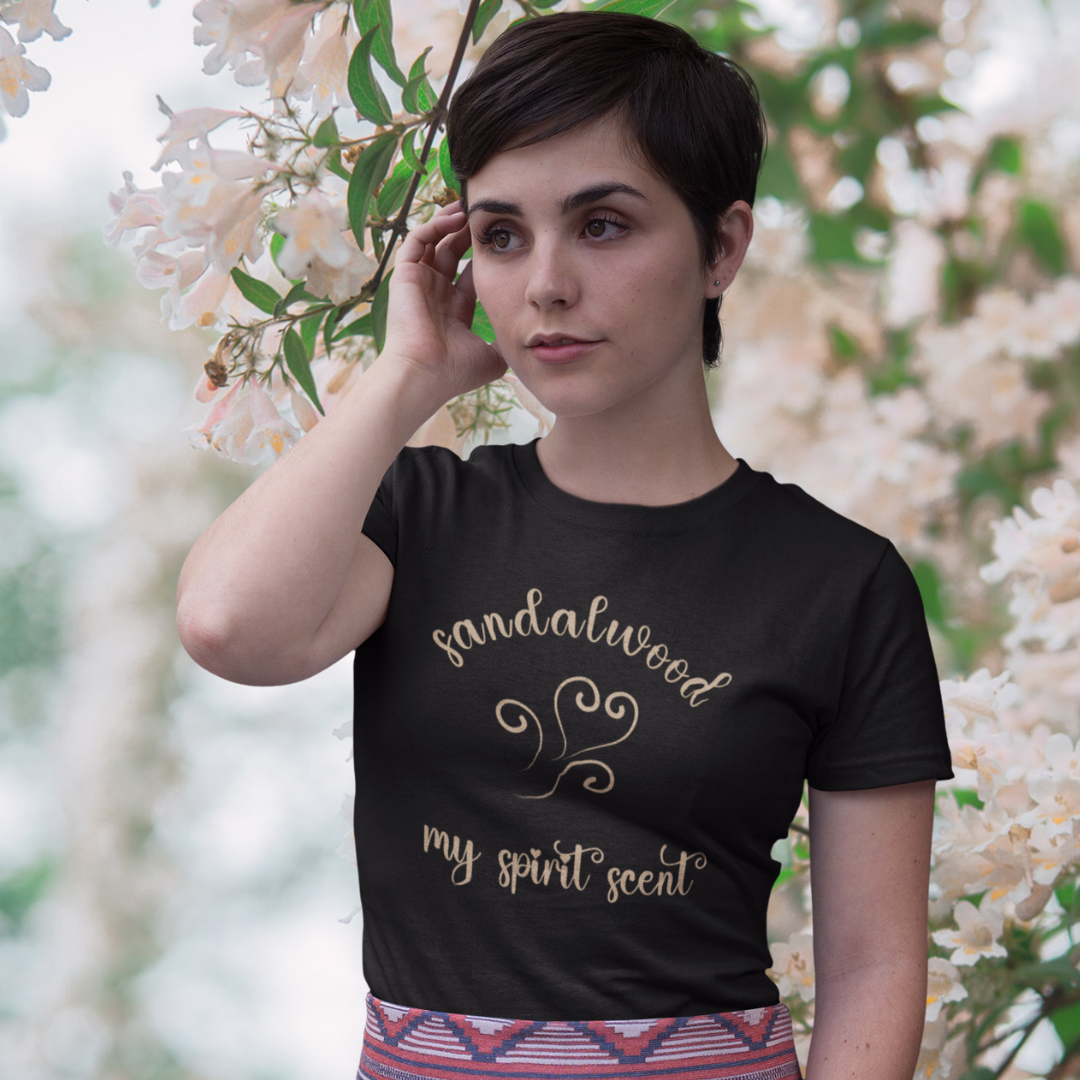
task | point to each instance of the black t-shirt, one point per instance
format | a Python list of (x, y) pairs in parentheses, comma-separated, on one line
[(583, 726)]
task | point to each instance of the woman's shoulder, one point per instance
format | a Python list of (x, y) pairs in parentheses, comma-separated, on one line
[(812, 532), (427, 472)]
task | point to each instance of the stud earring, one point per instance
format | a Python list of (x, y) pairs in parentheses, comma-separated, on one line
[(716, 282)]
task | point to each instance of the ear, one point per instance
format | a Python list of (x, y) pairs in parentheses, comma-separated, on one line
[(736, 231)]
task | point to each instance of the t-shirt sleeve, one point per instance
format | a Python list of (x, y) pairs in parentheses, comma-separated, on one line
[(380, 524), (889, 724)]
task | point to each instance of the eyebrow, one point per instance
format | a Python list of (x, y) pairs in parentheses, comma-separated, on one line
[(567, 205)]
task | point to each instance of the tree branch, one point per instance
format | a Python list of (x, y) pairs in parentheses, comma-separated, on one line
[(400, 227)]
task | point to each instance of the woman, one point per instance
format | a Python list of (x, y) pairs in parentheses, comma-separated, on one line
[(593, 673)]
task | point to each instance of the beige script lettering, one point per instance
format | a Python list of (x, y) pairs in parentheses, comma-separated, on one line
[(465, 634), (667, 883), (452, 852), (515, 866)]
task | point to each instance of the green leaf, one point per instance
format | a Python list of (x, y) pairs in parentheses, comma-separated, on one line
[(966, 797), (833, 239), (426, 97), (297, 358), (418, 96), (377, 15), (1066, 1023), (326, 134), (329, 327), (778, 176), (929, 105), (358, 326), (378, 312), (1066, 895), (309, 330), (333, 163), (1042, 972), (481, 324), (858, 158), (1006, 154), (487, 11), (785, 875), (844, 346), (408, 152), (277, 242), (1040, 231), (419, 65), (368, 173), (20, 891), (365, 92), (649, 8), (263, 296), (449, 177), (393, 191), (929, 582), (418, 80), (905, 32), (297, 292)]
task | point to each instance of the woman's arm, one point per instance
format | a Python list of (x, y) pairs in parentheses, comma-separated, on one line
[(870, 871), (284, 583)]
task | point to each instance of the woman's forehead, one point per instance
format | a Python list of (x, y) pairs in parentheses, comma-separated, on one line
[(602, 153)]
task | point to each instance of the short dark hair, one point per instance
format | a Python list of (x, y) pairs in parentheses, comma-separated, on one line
[(695, 115)]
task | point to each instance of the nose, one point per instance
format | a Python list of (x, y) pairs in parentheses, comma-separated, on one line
[(553, 280)]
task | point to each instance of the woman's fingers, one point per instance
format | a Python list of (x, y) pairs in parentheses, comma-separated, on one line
[(420, 245), (465, 282), (450, 249)]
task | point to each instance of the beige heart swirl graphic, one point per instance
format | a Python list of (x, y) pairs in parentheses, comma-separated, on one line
[(613, 707)]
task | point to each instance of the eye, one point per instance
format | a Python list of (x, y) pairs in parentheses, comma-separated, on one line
[(604, 228), (500, 239)]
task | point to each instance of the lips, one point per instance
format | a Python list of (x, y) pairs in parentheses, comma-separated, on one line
[(559, 348)]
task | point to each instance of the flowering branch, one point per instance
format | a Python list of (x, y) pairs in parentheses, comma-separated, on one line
[(399, 227)]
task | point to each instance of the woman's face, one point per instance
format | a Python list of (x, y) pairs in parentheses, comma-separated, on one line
[(591, 271)]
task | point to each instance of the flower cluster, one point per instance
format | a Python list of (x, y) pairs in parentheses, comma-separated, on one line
[(869, 457), (974, 372), (283, 247), (19, 75)]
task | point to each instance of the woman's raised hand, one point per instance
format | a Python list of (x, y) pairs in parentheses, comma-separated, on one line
[(429, 314)]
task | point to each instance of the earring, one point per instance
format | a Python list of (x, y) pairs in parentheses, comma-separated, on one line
[(716, 282)]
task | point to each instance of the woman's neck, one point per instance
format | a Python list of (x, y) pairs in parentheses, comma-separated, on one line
[(649, 455)]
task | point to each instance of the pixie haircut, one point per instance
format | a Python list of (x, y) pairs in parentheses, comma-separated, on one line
[(694, 115)]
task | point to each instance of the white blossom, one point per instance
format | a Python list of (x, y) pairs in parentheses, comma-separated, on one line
[(976, 935), (972, 381), (323, 74), (1056, 788), (793, 965), (212, 200), (35, 17), (135, 209), (245, 425), (312, 227), (942, 986), (189, 125), (260, 40), (18, 76), (912, 278)]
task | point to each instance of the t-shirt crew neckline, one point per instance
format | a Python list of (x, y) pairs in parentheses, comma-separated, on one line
[(632, 516)]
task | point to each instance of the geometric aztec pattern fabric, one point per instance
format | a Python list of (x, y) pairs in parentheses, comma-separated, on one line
[(402, 1043)]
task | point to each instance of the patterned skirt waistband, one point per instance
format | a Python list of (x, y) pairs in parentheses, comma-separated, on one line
[(402, 1043)]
